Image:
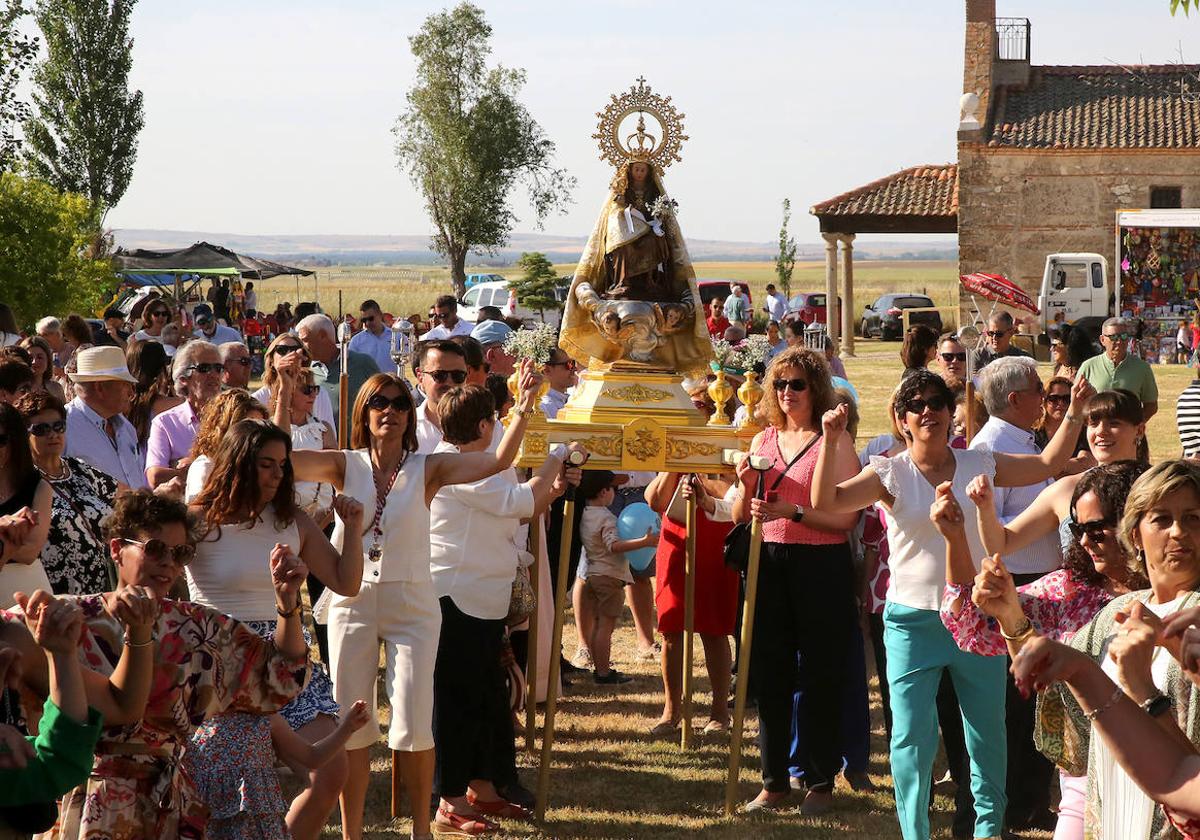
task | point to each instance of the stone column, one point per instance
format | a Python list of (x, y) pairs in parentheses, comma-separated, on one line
[(847, 307), (831, 286)]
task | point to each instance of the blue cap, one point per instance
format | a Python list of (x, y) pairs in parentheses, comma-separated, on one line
[(491, 332)]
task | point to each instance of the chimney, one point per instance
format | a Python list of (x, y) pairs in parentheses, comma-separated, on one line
[(979, 59)]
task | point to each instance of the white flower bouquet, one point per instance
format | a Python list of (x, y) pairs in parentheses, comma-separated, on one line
[(537, 344), (662, 207)]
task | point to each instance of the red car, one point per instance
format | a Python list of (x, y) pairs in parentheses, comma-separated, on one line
[(807, 307)]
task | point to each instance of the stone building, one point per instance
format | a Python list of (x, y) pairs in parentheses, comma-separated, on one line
[(1046, 156)]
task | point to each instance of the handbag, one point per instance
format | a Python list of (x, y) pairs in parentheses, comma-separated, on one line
[(522, 601), (737, 541)]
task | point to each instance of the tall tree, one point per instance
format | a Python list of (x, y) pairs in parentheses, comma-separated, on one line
[(17, 52), (466, 141), (785, 260), (535, 288), (83, 138)]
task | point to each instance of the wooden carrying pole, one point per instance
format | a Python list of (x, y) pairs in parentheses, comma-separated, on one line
[(531, 649), (343, 430), (560, 600), (743, 674), (689, 622)]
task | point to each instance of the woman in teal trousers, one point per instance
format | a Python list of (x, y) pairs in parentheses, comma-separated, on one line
[(919, 648)]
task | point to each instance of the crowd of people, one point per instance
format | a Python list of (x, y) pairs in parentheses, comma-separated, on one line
[(1027, 584)]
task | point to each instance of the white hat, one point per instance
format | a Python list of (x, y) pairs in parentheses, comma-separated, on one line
[(100, 364)]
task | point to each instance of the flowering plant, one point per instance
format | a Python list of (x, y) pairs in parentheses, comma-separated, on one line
[(722, 353), (537, 344), (663, 206), (751, 352)]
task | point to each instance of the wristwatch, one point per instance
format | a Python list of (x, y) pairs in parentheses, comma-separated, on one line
[(798, 516), (1156, 706)]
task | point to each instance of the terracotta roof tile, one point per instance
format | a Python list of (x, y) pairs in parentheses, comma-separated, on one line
[(1103, 107), (917, 191)]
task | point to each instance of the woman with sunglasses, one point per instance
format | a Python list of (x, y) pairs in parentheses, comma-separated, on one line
[(293, 393), (987, 614), (75, 557), (41, 361), (21, 487), (155, 316), (397, 604), (205, 664), (248, 510), (1054, 409), (919, 648), (281, 347), (806, 583), (1114, 429)]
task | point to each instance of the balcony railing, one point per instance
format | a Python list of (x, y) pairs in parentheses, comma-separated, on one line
[(1012, 39)]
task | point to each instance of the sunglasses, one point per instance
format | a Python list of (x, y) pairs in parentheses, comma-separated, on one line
[(917, 405), (181, 554), (244, 361), (1058, 399), (954, 357), (997, 333), (58, 427), (458, 377), (206, 368), (556, 364), (366, 319), (309, 390), (1096, 530), (381, 403), (159, 313), (203, 321), (1057, 345), (285, 349), (797, 385), (1117, 336), (433, 316)]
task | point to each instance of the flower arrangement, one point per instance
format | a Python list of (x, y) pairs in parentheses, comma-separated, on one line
[(722, 353), (751, 352), (662, 207), (537, 344)]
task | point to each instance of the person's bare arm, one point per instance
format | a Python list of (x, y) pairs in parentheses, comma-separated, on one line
[(1031, 524), (340, 571), (660, 491), (1149, 409), (851, 494), (323, 465)]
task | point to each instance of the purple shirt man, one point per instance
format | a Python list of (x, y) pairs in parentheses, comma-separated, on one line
[(172, 434)]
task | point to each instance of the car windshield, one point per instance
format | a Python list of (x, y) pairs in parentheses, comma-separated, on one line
[(911, 302)]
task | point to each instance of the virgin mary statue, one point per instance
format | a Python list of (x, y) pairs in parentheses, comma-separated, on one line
[(634, 296)]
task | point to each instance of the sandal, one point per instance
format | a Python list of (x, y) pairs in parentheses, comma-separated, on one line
[(469, 825), (714, 727), (501, 808), (665, 727)]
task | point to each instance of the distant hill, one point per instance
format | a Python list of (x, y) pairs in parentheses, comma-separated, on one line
[(349, 249)]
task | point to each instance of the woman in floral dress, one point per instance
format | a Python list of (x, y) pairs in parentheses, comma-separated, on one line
[(206, 663)]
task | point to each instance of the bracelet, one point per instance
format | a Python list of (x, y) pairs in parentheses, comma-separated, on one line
[(1023, 633), (1074, 418), (1112, 701), (289, 613), (146, 643)]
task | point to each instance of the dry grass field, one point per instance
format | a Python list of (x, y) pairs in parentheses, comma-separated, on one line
[(611, 779)]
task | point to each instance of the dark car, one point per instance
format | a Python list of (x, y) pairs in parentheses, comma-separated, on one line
[(808, 308), (885, 319), (711, 289)]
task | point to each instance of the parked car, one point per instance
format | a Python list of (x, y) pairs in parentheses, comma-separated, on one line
[(475, 279), (884, 317), (808, 308), (710, 289), (497, 293)]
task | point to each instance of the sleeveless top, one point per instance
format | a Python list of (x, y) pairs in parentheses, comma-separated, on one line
[(22, 577), (231, 572), (795, 488), (310, 493), (404, 545)]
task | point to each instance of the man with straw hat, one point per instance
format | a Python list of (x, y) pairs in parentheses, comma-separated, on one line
[(97, 431)]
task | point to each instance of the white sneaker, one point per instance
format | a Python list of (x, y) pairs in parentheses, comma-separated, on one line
[(582, 658)]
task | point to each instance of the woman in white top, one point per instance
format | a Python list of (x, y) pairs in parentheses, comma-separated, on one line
[(282, 348), (397, 604), (293, 393), (248, 506), (919, 648)]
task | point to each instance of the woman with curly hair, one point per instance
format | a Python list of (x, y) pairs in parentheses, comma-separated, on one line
[(226, 410), (247, 507), (154, 392)]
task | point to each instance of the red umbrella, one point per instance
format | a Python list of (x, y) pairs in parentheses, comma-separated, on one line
[(998, 288)]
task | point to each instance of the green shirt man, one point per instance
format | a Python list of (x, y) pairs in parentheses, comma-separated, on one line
[(1115, 368)]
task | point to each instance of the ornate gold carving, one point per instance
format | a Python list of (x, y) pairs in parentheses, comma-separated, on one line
[(644, 445), (536, 444), (641, 145), (609, 446), (751, 394), (678, 450), (721, 393), (638, 394)]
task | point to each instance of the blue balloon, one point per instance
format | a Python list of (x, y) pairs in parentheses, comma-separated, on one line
[(632, 525), (839, 382)]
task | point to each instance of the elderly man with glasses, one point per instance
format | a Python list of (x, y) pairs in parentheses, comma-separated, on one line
[(317, 334), (235, 357), (1115, 368), (197, 371), (1000, 330)]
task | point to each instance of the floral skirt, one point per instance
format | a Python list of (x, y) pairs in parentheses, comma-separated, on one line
[(232, 764), (317, 696)]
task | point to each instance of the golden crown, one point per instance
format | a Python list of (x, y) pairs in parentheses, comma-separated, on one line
[(640, 145)]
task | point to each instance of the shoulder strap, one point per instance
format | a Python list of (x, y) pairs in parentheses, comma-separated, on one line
[(795, 460)]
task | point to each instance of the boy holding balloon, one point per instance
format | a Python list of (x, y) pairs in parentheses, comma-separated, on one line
[(607, 572)]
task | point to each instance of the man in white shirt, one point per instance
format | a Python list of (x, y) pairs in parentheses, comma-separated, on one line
[(97, 431), (375, 338), (777, 304), (440, 366), (445, 310), (560, 373), (211, 330), (1013, 394)]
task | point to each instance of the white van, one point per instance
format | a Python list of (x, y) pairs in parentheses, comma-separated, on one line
[(497, 293)]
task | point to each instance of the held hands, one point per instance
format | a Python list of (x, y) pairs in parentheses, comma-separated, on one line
[(1181, 636), (834, 421), (15, 530), (287, 369), (1133, 650), (995, 594), (55, 624), (288, 572), (349, 509), (945, 512), (1041, 662), (979, 491)]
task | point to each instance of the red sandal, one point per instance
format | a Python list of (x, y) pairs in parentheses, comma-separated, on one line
[(500, 808), (464, 824)]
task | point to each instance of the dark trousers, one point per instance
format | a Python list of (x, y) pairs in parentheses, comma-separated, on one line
[(554, 541), (472, 724), (880, 655), (315, 588), (805, 607), (1030, 774)]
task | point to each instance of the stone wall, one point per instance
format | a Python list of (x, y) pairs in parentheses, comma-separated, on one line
[(1017, 205), (979, 55)]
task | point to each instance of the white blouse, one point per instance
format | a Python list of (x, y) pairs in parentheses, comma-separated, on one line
[(405, 522), (232, 573)]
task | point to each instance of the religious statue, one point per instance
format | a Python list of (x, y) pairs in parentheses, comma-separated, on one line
[(634, 296)]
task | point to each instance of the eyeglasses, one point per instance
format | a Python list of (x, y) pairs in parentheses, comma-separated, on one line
[(181, 554), (203, 321), (285, 349), (159, 313), (1058, 399), (1057, 345), (917, 405), (954, 357), (58, 427), (997, 333), (1096, 530), (567, 363), (458, 377), (381, 403), (797, 385), (433, 316), (366, 319), (244, 361), (206, 368), (1117, 336), (309, 390)]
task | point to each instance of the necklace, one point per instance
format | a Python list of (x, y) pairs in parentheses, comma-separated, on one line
[(375, 552), (63, 474)]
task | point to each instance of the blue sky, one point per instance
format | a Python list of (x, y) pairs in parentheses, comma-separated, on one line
[(274, 117)]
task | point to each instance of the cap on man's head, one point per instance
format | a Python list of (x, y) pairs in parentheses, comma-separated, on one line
[(491, 332), (101, 364)]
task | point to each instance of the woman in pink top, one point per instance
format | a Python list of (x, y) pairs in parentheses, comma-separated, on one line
[(805, 583)]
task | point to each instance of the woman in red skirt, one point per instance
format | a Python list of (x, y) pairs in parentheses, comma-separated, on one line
[(716, 589)]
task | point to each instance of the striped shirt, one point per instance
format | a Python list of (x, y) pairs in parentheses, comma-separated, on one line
[(1187, 419)]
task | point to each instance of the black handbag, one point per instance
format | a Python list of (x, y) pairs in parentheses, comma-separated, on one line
[(737, 541)]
